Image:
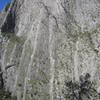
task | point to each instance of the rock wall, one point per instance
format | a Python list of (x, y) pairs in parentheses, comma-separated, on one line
[(57, 40)]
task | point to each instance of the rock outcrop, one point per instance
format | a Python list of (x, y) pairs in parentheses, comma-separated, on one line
[(56, 41)]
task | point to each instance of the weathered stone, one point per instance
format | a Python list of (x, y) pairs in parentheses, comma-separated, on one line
[(59, 38)]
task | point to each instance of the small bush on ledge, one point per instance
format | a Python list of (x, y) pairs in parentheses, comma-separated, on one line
[(11, 36), (6, 95), (83, 90), (7, 7)]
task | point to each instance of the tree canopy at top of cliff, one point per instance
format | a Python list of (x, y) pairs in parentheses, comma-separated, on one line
[(3, 3)]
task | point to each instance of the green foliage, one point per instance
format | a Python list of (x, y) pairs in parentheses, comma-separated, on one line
[(7, 7), (6, 95), (83, 90), (12, 37)]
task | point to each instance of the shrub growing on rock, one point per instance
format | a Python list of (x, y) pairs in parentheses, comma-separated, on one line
[(83, 90)]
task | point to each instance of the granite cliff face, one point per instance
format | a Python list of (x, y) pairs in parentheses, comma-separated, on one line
[(56, 40)]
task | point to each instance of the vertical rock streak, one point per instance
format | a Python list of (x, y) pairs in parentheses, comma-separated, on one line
[(52, 60), (18, 71), (76, 63), (32, 56), (4, 55), (93, 67), (12, 54), (21, 60)]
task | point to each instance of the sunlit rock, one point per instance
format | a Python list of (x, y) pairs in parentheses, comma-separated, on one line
[(56, 41)]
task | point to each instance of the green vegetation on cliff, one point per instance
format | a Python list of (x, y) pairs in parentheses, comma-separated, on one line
[(83, 90), (6, 95)]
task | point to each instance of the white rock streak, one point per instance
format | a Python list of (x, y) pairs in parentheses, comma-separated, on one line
[(93, 67), (76, 63), (18, 71), (32, 56), (52, 60), (12, 54), (4, 55)]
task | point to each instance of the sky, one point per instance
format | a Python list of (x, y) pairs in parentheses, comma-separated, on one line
[(2, 3)]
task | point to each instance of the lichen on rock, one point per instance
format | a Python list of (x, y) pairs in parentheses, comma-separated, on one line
[(50, 42)]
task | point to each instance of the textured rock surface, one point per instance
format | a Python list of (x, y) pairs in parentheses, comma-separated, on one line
[(58, 41)]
